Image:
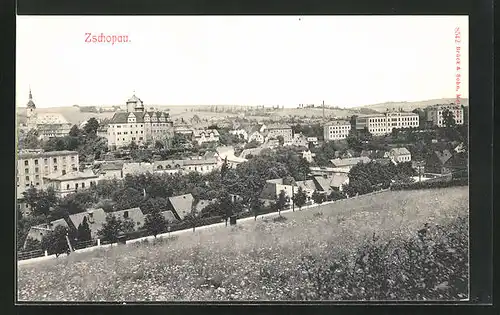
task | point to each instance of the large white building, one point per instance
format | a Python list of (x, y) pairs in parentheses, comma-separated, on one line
[(336, 130), (32, 167), (435, 114), (273, 131), (48, 125), (138, 126), (382, 124)]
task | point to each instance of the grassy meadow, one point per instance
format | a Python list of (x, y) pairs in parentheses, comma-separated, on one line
[(288, 259)]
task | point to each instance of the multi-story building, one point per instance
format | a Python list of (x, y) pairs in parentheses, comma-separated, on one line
[(382, 124), (48, 125), (32, 167), (138, 126), (435, 114), (336, 130), (399, 155), (205, 136), (69, 183), (276, 130)]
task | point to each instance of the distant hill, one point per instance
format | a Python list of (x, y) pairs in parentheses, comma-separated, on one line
[(409, 106)]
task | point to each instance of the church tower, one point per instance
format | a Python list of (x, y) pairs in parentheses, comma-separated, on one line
[(31, 115), (134, 104)]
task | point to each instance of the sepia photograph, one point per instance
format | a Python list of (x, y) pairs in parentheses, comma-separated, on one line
[(242, 158)]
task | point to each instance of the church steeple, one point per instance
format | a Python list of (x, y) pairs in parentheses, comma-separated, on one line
[(30, 104)]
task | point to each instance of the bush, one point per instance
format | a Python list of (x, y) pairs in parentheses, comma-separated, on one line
[(429, 185), (433, 265)]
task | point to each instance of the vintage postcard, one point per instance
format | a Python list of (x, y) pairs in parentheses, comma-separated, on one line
[(242, 158)]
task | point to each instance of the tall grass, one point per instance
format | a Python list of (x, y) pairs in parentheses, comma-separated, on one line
[(308, 256)]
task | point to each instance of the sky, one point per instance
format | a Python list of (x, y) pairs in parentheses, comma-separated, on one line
[(239, 60)]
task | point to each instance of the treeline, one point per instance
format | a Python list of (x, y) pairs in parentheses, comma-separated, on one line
[(432, 184), (373, 176)]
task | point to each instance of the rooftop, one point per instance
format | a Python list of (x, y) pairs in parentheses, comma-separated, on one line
[(72, 176), (400, 151), (349, 161), (34, 155)]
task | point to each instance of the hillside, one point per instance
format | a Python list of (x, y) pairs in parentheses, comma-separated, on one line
[(409, 106), (261, 260)]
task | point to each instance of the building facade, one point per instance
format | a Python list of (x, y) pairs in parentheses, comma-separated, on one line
[(72, 182), (137, 125), (274, 131), (435, 114), (399, 155), (382, 124), (48, 125), (336, 130), (206, 136), (33, 166)]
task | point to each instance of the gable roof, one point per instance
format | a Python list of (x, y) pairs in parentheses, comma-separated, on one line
[(95, 218), (306, 184), (135, 214), (169, 216), (400, 151), (72, 176), (202, 204), (122, 117), (181, 205), (200, 161), (349, 161), (443, 156), (326, 183), (207, 132)]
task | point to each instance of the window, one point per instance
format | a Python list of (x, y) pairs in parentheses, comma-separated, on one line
[(64, 172), (83, 185), (36, 170), (67, 187), (76, 186), (45, 161), (55, 160), (36, 162), (38, 184), (26, 163), (27, 178), (55, 167), (37, 176), (26, 170), (125, 214)]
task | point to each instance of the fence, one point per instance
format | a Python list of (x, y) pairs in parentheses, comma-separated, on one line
[(23, 255), (85, 244)]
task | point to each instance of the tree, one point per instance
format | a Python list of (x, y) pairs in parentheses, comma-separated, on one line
[(75, 131), (30, 140), (83, 233), (300, 198), (336, 195), (281, 201), (127, 198), (155, 222), (128, 225), (111, 229), (32, 244), (159, 145), (281, 140), (318, 197), (448, 119), (91, 126), (256, 206), (224, 168), (40, 201), (133, 146), (55, 242)]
